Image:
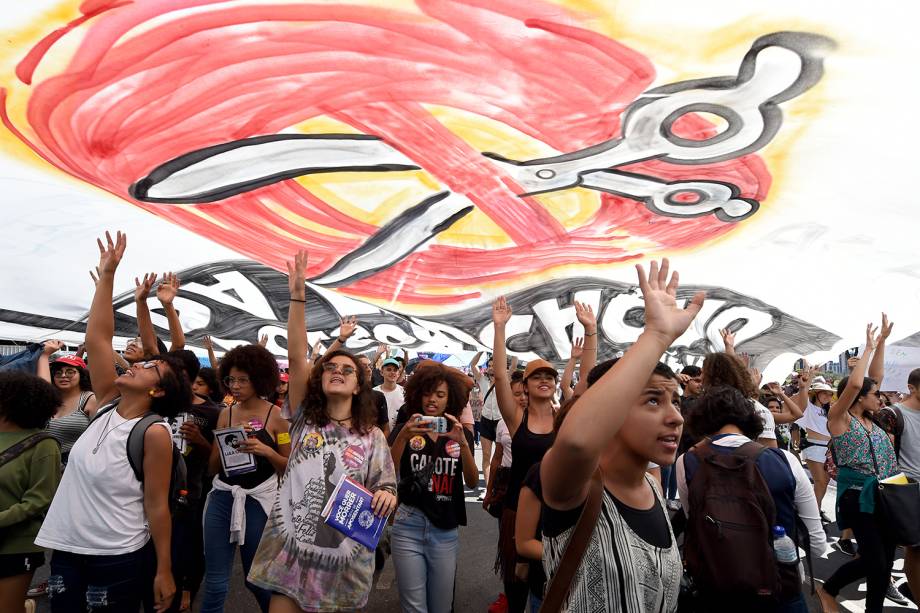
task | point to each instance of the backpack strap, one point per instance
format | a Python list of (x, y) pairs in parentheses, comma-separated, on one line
[(136, 443), (488, 393), (14, 451), (558, 588)]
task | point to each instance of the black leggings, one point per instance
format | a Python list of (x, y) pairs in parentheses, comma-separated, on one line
[(876, 554)]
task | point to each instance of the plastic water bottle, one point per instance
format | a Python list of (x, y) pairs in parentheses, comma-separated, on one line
[(785, 550)]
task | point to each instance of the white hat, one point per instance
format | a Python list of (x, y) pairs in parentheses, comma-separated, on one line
[(819, 379), (821, 387)]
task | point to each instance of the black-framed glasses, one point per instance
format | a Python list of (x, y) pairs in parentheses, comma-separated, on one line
[(332, 368), (66, 372), (231, 381)]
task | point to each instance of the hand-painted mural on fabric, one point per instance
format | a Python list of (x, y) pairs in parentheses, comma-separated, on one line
[(434, 154)]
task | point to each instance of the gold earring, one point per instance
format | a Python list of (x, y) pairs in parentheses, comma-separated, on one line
[(151, 393)]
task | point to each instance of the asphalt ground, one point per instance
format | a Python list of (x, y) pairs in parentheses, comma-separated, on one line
[(477, 586)]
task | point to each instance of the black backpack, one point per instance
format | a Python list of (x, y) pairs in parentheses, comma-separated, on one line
[(178, 478), (728, 544)]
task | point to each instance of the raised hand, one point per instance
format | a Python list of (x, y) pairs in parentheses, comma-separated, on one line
[(318, 349), (806, 376), (578, 348), (296, 272), (886, 327), (94, 276), (663, 317), (111, 252), (142, 288), (585, 315), (348, 326), (501, 311), (872, 339), (756, 375), (263, 340), (728, 339), (49, 347), (168, 288), (206, 342), (774, 388)]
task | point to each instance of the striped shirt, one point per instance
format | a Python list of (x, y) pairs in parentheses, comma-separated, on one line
[(68, 429), (620, 572)]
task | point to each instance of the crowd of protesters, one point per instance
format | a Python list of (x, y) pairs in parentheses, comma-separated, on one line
[(616, 486)]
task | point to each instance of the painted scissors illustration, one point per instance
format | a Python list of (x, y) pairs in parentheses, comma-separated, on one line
[(777, 68)]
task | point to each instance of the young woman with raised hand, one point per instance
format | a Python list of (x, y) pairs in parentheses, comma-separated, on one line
[(306, 564), (27, 479), (625, 420), (238, 505), (532, 433), (110, 532), (432, 470), (864, 455), (70, 377)]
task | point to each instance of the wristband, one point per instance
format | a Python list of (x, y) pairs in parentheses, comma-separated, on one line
[(341, 340), (284, 438), (591, 334), (297, 300)]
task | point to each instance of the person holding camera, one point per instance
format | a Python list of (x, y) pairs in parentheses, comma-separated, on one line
[(432, 452)]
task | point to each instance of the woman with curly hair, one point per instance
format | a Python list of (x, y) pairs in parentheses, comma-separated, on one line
[(27, 481), (432, 470), (728, 369), (108, 526), (306, 564), (237, 508)]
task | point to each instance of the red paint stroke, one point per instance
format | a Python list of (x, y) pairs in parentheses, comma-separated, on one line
[(127, 102)]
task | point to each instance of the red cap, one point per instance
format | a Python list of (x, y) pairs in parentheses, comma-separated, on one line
[(71, 360), (284, 377)]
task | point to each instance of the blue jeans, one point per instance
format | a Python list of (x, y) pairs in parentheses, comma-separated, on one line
[(797, 605), (425, 558), (535, 603), (219, 551), (109, 584)]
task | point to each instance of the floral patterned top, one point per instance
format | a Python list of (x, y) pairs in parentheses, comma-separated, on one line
[(300, 556), (854, 450)]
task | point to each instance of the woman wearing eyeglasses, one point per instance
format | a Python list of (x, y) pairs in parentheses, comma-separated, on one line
[(238, 506), (108, 527), (70, 377), (306, 564)]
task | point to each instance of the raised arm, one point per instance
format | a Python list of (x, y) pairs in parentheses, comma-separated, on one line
[(475, 361), (43, 367), (144, 323), (298, 371), (837, 417), (585, 315), (598, 415), (167, 291), (566, 383), (728, 339), (501, 314), (347, 328), (212, 357), (877, 365), (100, 327), (805, 378), (791, 410)]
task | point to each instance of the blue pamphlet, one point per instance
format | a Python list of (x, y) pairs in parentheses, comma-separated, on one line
[(349, 511)]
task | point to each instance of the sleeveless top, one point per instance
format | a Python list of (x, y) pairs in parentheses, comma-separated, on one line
[(264, 468), (68, 429), (620, 572), (527, 448), (854, 450)]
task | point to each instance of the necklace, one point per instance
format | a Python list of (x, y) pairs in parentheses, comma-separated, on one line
[(105, 432), (341, 422)]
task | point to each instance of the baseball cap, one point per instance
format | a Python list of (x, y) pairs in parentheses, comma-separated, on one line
[(535, 365), (71, 360), (391, 361), (284, 377)]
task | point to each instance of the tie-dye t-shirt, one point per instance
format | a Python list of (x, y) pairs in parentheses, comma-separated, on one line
[(299, 555)]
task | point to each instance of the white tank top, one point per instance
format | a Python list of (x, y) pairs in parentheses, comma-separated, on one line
[(99, 506)]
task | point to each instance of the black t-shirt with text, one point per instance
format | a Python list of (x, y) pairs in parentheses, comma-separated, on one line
[(442, 500), (196, 460)]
